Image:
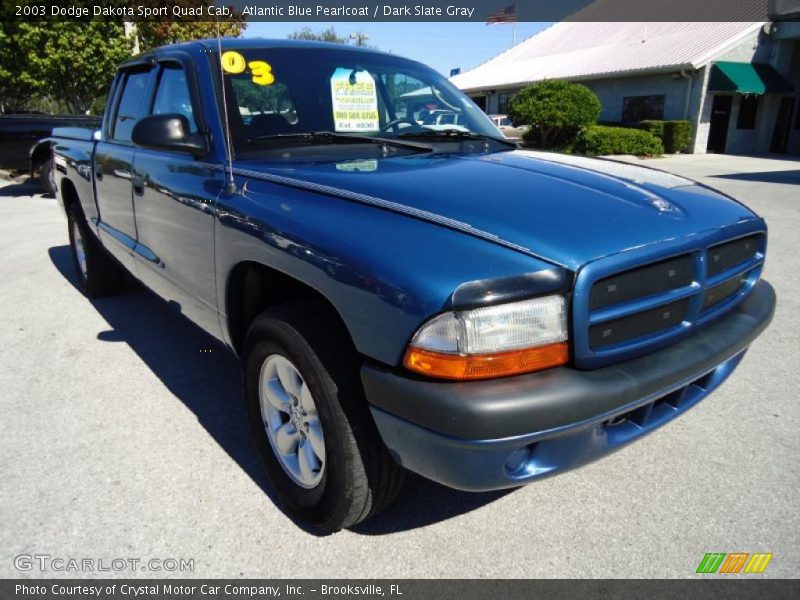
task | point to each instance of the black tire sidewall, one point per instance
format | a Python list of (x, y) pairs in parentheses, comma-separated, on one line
[(323, 503), (74, 217), (45, 177)]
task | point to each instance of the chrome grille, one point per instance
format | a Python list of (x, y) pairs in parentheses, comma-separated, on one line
[(622, 313)]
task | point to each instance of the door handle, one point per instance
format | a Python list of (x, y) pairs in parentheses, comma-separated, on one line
[(138, 185)]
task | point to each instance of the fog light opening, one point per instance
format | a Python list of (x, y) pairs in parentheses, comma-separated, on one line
[(518, 460)]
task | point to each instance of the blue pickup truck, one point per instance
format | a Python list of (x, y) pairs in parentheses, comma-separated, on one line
[(405, 297)]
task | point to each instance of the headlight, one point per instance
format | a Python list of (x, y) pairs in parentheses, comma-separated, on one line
[(495, 341)]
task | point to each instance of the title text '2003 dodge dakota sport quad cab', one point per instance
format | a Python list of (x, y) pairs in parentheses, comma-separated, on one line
[(392, 309)]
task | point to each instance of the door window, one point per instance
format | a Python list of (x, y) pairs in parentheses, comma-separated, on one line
[(131, 105), (172, 95)]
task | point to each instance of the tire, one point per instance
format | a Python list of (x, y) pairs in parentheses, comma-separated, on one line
[(355, 477), (47, 179), (98, 274)]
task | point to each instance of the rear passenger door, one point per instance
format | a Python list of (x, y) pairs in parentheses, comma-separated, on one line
[(174, 201), (113, 164)]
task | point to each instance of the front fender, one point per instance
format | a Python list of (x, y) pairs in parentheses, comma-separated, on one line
[(385, 273)]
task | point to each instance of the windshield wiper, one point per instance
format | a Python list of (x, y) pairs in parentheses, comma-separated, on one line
[(454, 134), (340, 138)]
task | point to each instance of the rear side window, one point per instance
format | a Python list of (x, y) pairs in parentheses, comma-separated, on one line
[(172, 95), (131, 105)]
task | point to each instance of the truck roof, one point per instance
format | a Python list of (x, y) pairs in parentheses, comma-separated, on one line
[(229, 43)]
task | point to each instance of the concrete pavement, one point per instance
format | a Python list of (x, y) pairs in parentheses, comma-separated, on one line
[(122, 436)]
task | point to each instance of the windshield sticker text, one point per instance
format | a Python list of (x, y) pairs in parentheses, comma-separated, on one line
[(233, 62), (261, 71)]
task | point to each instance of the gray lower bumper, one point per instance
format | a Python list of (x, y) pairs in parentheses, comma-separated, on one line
[(503, 433)]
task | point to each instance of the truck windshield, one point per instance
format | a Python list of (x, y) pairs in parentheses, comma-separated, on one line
[(275, 94)]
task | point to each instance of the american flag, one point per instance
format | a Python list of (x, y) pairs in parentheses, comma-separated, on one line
[(507, 15)]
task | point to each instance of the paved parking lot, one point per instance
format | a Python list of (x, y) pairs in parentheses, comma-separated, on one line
[(122, 436)]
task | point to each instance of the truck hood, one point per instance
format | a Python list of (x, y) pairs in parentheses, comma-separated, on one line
[(565, 209)]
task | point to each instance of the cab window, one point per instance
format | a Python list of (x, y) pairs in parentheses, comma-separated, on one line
[(172, 94), (273, 94), (265, 109), (131, 105)]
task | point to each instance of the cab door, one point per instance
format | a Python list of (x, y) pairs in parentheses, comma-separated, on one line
[(174, 198), (113, 165)]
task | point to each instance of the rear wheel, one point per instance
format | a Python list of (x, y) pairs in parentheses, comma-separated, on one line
[(310, 421), (98, 273)]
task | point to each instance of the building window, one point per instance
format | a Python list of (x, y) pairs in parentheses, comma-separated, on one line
[(748, 109), (641, 108), (503, 99)]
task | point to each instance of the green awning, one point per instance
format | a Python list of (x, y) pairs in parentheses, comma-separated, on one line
[(747, 78)]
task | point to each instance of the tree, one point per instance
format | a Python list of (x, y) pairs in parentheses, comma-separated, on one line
[(556, 110), (13, 95), (325, 35), (360, 39), (151, 34), (72, 63), (329, 35)]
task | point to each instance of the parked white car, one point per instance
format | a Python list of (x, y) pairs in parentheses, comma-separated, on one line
[(443, 119), (506, 127)]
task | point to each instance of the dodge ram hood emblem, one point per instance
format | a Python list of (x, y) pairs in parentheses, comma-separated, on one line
[(665, 206)]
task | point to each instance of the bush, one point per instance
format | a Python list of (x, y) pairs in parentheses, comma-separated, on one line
[(600, 139), (674, 135), (654, 127), (557, 112), (677, 136)]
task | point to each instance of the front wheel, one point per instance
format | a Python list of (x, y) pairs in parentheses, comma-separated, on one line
[(310, 421)]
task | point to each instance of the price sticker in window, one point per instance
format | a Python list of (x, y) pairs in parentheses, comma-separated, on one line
[(355, 100)]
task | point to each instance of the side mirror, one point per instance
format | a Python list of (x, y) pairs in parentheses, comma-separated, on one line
[(168, 132)]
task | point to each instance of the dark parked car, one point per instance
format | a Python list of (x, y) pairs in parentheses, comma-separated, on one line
[(22, 143), (403, 297)]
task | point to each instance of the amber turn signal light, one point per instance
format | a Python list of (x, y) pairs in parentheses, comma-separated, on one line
[(485, 366)]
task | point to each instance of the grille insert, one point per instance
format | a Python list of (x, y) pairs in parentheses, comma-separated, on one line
[(621, 314), (638, 324), (642, 282), (722, 291), (730, 254)]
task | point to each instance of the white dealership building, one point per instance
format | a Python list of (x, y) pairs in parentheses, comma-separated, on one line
[(738, 83)]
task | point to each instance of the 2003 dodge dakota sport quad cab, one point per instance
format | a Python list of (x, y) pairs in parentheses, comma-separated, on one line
[(392, 309)]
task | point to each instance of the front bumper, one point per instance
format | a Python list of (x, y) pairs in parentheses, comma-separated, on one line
[(495, 434)]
